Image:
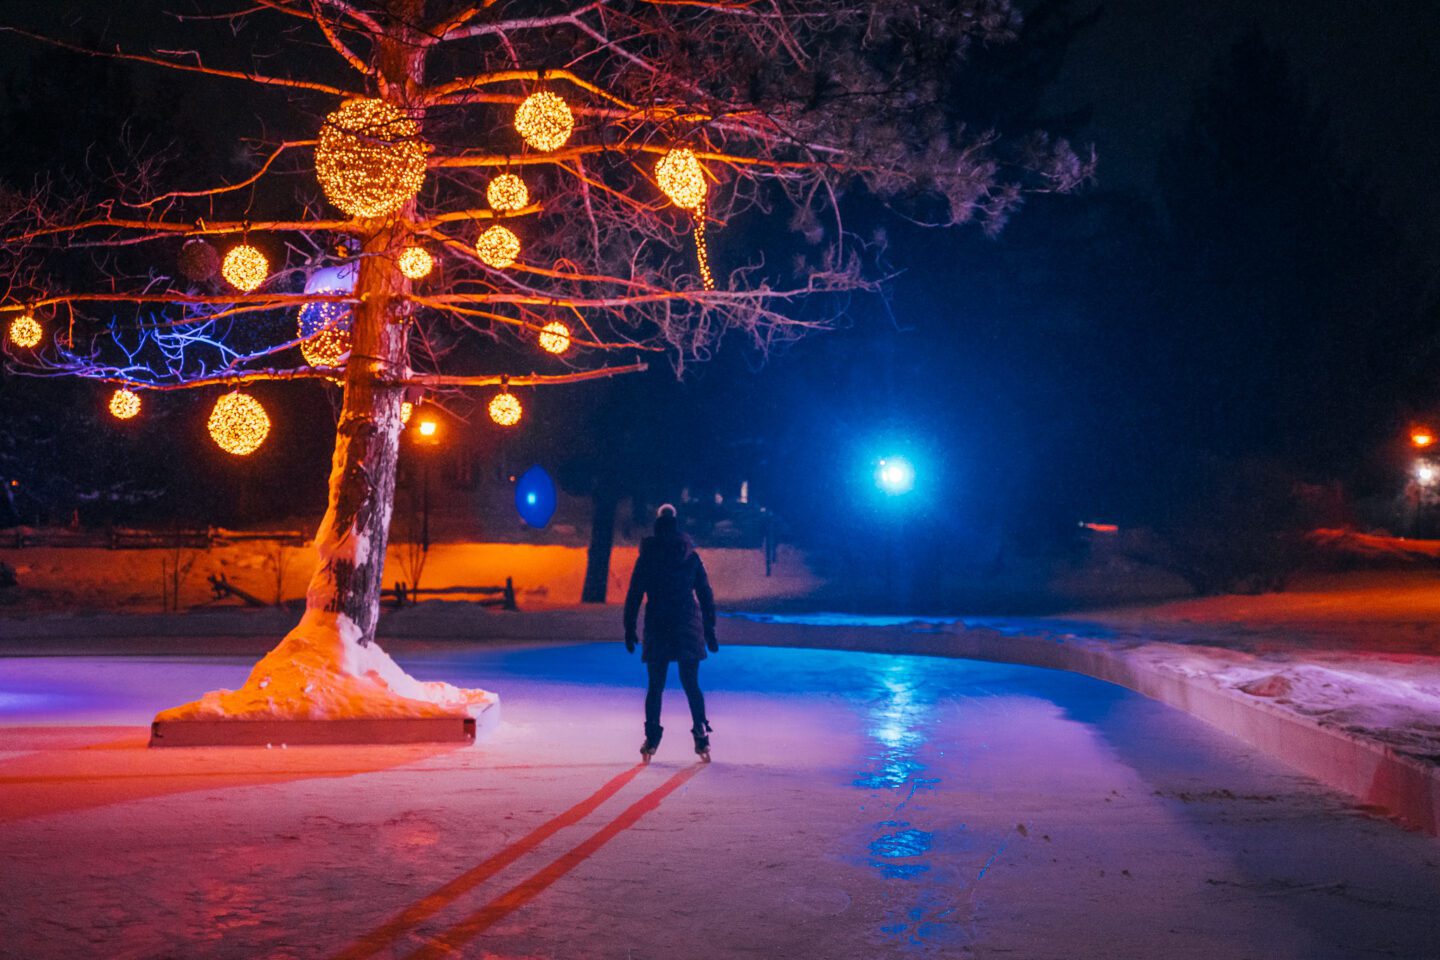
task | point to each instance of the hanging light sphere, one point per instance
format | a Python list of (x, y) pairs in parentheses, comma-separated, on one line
[(498, 246), (324, 332), (238, 424), (407, 410), (507, 193), (544, 120), (505, 409), (124, 404), (245, 267), (199, 260), (555, 337), (25, 331), (370, 160), (328, 348), (415, 262), (681, 177)]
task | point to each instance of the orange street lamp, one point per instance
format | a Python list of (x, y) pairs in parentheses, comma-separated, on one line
[(429, 430), (1422, 437)]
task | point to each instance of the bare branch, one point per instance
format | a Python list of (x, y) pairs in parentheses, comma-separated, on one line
[(435, 381)]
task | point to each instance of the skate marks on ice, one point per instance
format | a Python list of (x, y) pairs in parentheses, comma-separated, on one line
[(449, 941)]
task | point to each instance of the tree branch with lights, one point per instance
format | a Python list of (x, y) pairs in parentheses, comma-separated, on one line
[(547, 175)]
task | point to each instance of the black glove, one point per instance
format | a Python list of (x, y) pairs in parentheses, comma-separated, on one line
[(630, 641), (711, 643)]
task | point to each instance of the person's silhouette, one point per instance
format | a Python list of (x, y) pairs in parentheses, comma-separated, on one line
[(679, 624)]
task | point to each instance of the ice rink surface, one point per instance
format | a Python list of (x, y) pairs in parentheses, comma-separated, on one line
[(859, 806)]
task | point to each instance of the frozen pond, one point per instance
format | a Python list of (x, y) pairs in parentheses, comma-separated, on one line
[(860, 805)]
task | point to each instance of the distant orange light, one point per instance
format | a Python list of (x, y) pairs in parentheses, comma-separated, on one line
[(1101, 527), (427, 428), (1422, 438)]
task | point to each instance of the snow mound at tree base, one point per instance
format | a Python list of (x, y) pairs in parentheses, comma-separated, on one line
[(320, 671)]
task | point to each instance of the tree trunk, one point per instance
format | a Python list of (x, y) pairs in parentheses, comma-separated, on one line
[(602, 539), (329, 667), (355, 531)]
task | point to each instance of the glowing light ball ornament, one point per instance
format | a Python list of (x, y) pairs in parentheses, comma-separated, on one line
[(505, 409), (324, 331), (680, 176), (544, 120), (245, 267), (683, 179), (498, 246), (370, 160), (507, 193), (555, 337), (124, 404), (415, 262), (25, 331), (238, 424), (535, 497)]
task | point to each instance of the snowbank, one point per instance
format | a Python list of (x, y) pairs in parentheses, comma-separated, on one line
[(320, 672)]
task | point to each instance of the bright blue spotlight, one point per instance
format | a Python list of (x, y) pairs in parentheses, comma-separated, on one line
[(530, 498), (895, 476)]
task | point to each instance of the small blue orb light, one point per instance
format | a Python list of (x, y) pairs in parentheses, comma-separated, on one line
[(895, 476), (535, 497)]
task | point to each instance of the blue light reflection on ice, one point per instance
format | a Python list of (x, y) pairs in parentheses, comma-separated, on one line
[(21, 704), (899, 718)]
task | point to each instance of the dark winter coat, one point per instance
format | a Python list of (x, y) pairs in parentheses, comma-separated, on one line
[(670, 577)]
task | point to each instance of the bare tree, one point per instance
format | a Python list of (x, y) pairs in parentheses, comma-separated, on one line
[(278, 557), (635, 126)]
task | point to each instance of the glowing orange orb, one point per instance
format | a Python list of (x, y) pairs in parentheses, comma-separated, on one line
[(427, 428), (1421, 437), (507, 193), (680, 176), (544, 121), (505, 409), (370, 159), (238, 424), (555, 337), (124, 404), (25, 331), (415, 262), (498, 246), (245, 267), (328, 348)]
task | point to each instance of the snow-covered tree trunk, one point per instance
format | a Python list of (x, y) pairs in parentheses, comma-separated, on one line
[(329, 666)]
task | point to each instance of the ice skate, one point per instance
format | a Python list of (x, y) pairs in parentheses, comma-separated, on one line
[(702, 742), (650, 744)]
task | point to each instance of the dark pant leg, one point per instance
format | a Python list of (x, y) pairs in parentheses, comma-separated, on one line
[(653, 694), (690, 680)]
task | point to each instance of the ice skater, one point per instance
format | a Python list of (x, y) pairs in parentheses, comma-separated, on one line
[(679, 625)]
